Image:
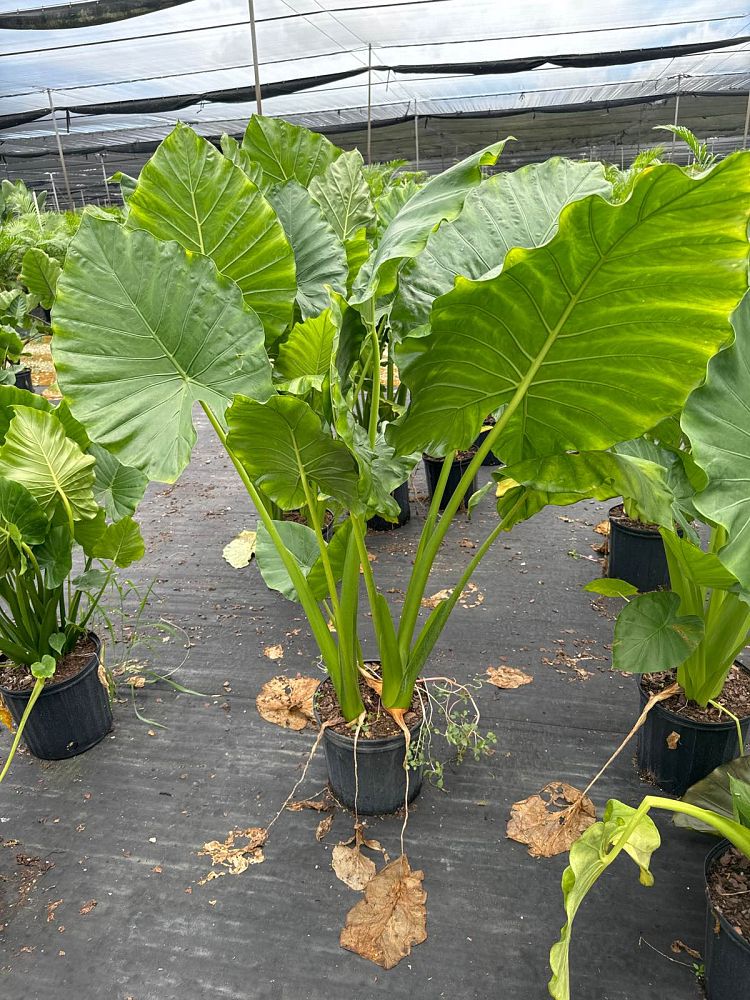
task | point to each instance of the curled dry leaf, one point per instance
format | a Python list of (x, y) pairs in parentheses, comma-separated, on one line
[(274, 652), (240, 550), (137, 681), (235, 859), (470, 597), (288, 702), (87, 907), (508, 678), (51, 907), (602, 528), (324, 827), (350, 865), (326, 803), (550, 821), (672, 740), (390, 919), (5, 717), (676, 947)]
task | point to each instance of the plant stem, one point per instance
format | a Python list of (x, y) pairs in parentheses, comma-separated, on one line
[(735, 720), (38, 685), (375, 397)]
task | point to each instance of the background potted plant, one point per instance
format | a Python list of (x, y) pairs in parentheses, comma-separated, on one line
[(719, 805), (134, 387), (52, 681)]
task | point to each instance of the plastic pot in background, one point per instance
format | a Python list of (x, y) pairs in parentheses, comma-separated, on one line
[(490, 459), (727, 953), (433, 468), (636, 554), (23, 380), (401, 496), (381, 776), (677, 763), (69, 717)]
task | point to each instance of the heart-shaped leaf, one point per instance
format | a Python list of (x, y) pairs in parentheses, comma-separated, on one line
[(651, 635), (344, 196), (287, 152), (39, 273), (21, 519)]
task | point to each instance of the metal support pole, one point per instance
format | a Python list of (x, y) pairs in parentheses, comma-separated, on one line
[(60, 151), (747, 122), (104, 175), (369, 103), (416, 136), (54, 191), (253, 39), (676, 115), (83, 200)]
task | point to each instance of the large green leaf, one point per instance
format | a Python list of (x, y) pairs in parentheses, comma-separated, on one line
[(21, 520), (442, 198), (37, 454), (11, 397), (120, 543), (117, 488), (518, 209), (189, 192), (304, 358), (281, 441), (344, 196), (241, 158), (319, 255), (586, 338), (704, 569), (568, 478), (144, 329), (717, 421), (287, 152), (55, 556), (590, 856), (301, 542), (651, 635), (714, 792), (39, 273)]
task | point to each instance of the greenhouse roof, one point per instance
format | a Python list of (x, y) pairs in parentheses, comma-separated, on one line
[(580, 78)]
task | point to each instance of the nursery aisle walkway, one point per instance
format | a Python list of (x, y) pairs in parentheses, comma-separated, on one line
[(98, 858)]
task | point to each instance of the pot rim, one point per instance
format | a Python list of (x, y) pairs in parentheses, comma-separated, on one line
[(712, 855), (436, 460), (49, 689), (364, 746), (644, 532), (693, 723)]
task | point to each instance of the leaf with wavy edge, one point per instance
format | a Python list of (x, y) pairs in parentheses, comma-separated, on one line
[(319, 254), (190, 193), (518, 209), (281, 439), (584, 339), (304, 358), (440, 199), (143, 330), (650, 634), (590, 856), (716, 418), (241, 158), (21, 519), (117, 488), (715, 792), (37, 454), (343, 195), (39, 273), (287, 152)]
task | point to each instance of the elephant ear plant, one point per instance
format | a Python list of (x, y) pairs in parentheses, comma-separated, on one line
[(574, 343), (65, 527)]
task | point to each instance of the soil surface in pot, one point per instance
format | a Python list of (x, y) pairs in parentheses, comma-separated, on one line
[(378, 724), (729, 890), (20, 679), (618, 514), (298, 517), (735, 696), (460, 456)]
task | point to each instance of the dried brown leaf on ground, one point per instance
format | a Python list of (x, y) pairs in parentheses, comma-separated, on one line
[(240, 550), (390, 919), (324, 827), (435, 599), (508, 678), (5, 717), (288, 702), (51, 907), (326, 803), (676, 947), (136, 681), (470, 597), (350, 865), (87, 907), (602, 528), (551, 820), (236, 859), (672, 740), (601, 547), (274, 652)]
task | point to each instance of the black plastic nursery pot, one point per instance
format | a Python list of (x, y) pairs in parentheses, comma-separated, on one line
[(636, 553), (380, 783), (23, 380), (490, 459), (433, 468), (68, 718), (401, 496), (676, 751), (727, 953)]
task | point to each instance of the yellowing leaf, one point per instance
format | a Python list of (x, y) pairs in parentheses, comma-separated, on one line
[(508, 678), (550, 821), (240, 550), (5, 717), (288, 703), (390, 919)]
